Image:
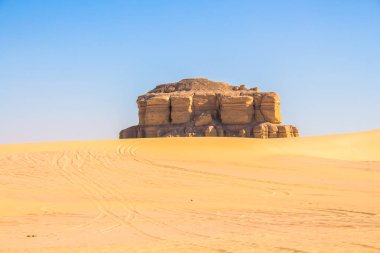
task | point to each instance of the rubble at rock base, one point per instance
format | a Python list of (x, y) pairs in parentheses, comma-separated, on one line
[(258, 131)]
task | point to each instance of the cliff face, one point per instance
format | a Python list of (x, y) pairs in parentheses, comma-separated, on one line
[(200, 107)]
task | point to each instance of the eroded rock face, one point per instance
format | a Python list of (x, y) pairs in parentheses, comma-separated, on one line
[(236, 109), (205, 102), (203, 119), (270, 108), (181, 108), (200, 107), (157, 110)]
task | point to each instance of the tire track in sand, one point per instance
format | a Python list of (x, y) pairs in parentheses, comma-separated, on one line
[(74, 172), (130, 150)]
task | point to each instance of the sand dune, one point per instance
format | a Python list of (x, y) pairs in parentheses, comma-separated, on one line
[(311, 194)]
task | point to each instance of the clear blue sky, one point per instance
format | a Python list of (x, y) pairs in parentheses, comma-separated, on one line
[(72, 70)]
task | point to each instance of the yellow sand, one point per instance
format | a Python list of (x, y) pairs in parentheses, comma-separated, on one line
[(312, 194)]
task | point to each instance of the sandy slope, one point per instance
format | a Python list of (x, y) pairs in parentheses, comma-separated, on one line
[(314, 194)]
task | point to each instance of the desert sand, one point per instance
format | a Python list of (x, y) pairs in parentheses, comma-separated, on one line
[(308, 194)]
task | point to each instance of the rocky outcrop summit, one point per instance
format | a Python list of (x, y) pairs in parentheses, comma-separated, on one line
[(200, 107)]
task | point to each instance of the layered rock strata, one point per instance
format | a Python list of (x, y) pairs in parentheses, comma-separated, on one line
[(200, 107)]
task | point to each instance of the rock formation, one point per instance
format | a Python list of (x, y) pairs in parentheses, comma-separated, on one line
[(200, 107)]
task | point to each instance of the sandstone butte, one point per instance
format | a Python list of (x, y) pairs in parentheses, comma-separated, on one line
[(201, 107)]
